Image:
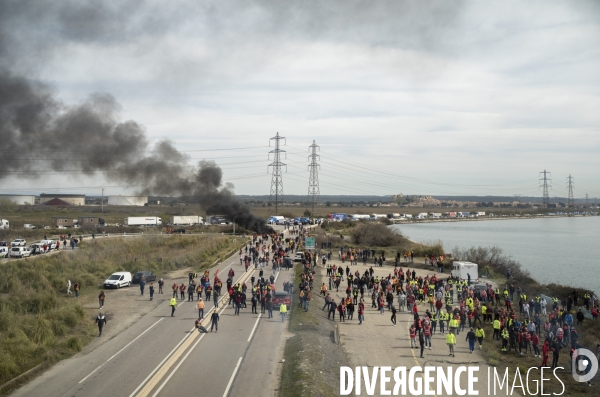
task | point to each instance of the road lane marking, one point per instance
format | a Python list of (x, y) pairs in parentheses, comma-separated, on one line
[(232, 377), (254, 328), (159, 372), (161, 363), (177, 367), (114, 355)]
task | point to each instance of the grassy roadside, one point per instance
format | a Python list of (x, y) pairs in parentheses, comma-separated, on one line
[(40, 325), (312, 359)]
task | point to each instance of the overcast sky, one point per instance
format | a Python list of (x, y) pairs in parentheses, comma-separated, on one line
[(446, 97)]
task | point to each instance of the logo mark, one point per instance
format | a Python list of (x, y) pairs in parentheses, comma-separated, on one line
[(584, 364)]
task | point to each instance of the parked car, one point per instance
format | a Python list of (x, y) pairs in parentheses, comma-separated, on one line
[(19, 252), (4, 251), (118, 280), (281, 297), (19, 242), (4, 244), (145, 274), (299, 257), (28, 226)]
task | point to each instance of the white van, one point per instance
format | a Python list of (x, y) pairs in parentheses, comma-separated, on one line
[(4, 252), (28, 226), (462, 270), (118, 280), (19, 252)]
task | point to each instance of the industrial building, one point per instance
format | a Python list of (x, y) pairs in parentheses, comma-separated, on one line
[(128, 200), (62, 221), (62, 199), (19, 198)]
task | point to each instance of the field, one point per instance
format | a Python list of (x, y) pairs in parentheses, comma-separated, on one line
[(39, 324), (42, 215)]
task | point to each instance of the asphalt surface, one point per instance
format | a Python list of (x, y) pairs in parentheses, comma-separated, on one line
[(162, 355)]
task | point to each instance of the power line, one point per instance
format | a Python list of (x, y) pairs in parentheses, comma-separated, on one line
[(276, 179), (570, 200), (545, 179), (313, 181)]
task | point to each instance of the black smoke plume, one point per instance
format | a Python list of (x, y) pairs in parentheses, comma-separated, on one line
[(43, 134), (40, 134)]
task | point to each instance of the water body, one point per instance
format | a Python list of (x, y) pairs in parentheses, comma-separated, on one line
[(561, 250)]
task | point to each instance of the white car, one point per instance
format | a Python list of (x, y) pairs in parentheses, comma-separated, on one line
[(4, 252), (28, 226), (18, 243), (19, 252)]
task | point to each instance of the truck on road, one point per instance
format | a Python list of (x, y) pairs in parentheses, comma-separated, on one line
[(142, 221), (186, 220)]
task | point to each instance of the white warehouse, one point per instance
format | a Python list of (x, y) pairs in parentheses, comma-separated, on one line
[(139, 201)]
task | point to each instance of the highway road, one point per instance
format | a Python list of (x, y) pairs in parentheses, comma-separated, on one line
[(162, 355)]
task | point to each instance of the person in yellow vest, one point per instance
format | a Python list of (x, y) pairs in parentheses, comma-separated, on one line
[(453, 325), (480, 334), (496, 329), (484, 313), (505, 337), (451, 341), (283, 310), (173, 304)]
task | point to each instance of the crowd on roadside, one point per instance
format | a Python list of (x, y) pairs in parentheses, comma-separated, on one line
[(525, 325)]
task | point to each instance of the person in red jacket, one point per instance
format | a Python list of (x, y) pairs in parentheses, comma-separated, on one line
[(361, 311), (545, 350)]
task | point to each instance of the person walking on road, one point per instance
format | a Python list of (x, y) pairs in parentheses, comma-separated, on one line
[(68, 287), (361, 312), (283, 310), (451, 341), (421, 342), (151, 290), (173, 304), (161, 284), (142, 286), (200, 308), (101, 298), (471, 339), (214, 321), (270, 308), (77, 288), (100, 321), (393, 318)]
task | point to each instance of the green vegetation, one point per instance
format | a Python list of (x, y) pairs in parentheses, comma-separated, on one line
[(39, 324), (373, 235)]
